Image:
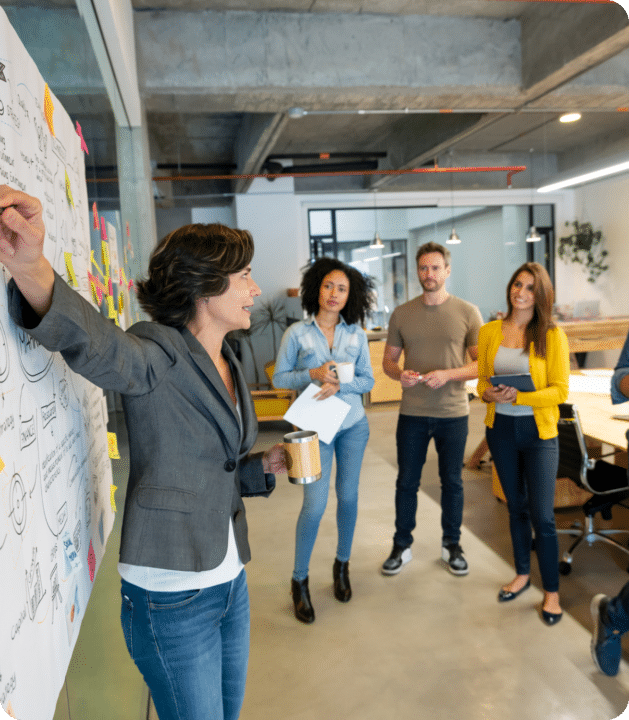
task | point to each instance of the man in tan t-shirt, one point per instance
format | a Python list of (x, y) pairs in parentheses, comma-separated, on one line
[(435, 330)]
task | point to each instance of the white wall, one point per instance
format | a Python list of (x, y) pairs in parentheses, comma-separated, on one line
[(604, 203)]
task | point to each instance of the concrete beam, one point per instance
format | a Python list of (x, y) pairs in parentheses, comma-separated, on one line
[(561, 42), (256, 139), (270, 62)]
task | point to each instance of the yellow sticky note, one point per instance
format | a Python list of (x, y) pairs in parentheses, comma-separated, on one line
[(112, 492), (111, 307), (69, 191), (120, 304), (49, 109), (70, 270), (112, 444), (2, 465), (104, 250)]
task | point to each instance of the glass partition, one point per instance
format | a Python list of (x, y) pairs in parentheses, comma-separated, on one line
[(382, 242)]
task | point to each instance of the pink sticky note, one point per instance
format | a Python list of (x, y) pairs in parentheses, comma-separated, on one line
[(103, 230), (95, 214), (79, 132), (91, 561), (111, 288)]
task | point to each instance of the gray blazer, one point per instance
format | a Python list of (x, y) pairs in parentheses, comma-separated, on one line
[(189, 456)]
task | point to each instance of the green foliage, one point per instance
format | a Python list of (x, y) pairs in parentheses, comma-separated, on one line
[(584, 246)]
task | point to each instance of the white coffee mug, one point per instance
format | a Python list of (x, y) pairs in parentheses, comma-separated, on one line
[(344, 371)]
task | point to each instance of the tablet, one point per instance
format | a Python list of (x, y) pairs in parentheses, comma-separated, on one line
[(520, 381)]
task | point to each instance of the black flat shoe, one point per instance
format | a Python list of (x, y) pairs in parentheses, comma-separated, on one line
[(551, 618), (506, 595), (342, 588), (301, 600)]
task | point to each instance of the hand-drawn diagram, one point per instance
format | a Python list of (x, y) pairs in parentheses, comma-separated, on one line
[(55, 474)]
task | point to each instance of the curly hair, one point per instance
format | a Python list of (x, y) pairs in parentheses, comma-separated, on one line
[(192, 262), (544, 296), (361, 289)]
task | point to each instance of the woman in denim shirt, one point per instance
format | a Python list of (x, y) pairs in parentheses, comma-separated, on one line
[(337, 298)]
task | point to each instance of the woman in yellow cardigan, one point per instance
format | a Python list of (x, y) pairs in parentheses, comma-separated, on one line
[(522, 426)]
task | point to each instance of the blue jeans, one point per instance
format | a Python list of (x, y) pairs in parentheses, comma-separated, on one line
[(413, 436), (527, 468), (192, 647), (349, 446)]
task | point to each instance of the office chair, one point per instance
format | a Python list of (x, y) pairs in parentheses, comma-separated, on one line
[(609, 485), (269, 402)]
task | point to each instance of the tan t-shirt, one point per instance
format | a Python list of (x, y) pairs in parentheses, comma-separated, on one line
[(435, 337)]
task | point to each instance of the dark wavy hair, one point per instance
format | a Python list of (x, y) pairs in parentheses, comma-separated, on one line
[(192, 262), (544, 296), (361, 289)]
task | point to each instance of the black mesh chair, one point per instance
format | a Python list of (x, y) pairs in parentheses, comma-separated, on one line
[(609, 485)]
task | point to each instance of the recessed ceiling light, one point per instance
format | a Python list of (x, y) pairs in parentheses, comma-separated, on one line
[(570, 117)]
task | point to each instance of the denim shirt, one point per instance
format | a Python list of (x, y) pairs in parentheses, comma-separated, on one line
[(622, 369), (304, 348)]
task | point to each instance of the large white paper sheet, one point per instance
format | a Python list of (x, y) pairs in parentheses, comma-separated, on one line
[(323, 416), (55, 473)]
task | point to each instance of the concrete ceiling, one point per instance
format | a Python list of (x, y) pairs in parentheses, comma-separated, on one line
[(249, 86)]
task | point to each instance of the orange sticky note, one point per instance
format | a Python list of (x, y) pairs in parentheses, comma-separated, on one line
[(112, 444), (69, 191), (112, 492), (49, 109), (95, 215), (70, 270)]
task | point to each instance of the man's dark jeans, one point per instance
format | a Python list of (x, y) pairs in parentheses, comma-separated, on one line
[(413, 436)]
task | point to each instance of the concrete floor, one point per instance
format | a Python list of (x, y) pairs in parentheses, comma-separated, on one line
[(422, 644)]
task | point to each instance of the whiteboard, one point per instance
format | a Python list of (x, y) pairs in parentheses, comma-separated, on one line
[(55, 474)]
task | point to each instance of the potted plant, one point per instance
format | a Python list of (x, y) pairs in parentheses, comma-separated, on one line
[(584, 246)]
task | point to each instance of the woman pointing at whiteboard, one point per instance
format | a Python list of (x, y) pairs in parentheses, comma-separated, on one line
[(191, 425)]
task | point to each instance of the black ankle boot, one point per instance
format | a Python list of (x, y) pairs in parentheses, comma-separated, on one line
[(301, 600), (342, 589)]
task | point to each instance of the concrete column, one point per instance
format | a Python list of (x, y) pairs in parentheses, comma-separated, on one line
[(137, 206)]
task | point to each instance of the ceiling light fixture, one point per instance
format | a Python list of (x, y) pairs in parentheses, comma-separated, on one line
[(570, 117), (586, 177), (532, 235), (454, 239), (376, 243)]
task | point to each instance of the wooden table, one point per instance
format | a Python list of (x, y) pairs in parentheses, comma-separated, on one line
[(600, 334), (595, 413)]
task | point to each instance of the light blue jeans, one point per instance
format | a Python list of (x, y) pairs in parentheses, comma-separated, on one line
[(349, 447), (192, 647)]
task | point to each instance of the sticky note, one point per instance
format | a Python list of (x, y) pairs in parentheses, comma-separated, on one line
[(95, 216), (120, 303), (70, 270), (79, 132), (96, 299), (91, 561), (73, 561), (103, 230), (2, 465), (112, 492), (69, 190), (112, 444), (128, 229), (111, 309), (104, 251), (110, 287), (49, 109)]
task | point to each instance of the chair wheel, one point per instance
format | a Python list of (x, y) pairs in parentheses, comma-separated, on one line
[(565, 568)]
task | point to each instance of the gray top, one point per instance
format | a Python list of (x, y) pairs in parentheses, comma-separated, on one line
[(511, 361)]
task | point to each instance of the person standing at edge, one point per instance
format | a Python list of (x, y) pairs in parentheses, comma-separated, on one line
[(191, 426), (434, 330), (611, 614)]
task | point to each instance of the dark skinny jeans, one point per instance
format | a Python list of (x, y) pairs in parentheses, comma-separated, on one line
[(527, 468)]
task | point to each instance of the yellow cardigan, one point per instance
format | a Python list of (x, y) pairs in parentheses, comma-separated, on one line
[(550, 376)]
